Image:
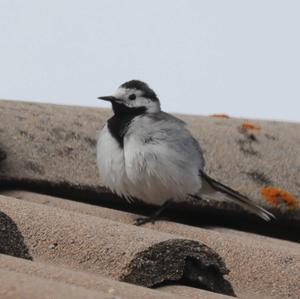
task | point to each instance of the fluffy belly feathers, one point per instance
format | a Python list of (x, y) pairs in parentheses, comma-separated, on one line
[(136, 174)]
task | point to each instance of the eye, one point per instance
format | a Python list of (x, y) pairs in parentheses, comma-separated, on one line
[(132, 97)]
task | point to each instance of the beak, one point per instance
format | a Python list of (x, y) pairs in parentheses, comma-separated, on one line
[(109, 98)]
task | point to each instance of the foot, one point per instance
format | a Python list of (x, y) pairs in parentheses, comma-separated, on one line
[(154, 217), (144, 220)]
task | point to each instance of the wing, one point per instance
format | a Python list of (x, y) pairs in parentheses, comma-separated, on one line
[(175, 125), (158, 146)]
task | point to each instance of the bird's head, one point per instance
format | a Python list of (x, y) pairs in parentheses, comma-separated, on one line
[(133, 97)]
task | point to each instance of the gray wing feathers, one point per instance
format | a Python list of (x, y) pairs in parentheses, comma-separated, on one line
[(174, 130), (165, 117), (161, 155)]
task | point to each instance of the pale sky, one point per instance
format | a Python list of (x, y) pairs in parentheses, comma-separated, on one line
[(201, 57)]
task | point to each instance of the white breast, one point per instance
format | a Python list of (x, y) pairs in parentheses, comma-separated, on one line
[(111, 163)]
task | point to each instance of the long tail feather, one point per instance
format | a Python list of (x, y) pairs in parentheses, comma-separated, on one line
[(240, 199)]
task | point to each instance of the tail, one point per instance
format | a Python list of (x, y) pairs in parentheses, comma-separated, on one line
[(245, 202)]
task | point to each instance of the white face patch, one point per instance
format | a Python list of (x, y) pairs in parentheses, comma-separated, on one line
[(123, 95)]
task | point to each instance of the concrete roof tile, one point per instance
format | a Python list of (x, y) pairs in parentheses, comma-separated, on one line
[(259, 265), (106, 247)]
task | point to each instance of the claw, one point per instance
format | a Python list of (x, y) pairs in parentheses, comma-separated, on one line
[(144, 220)]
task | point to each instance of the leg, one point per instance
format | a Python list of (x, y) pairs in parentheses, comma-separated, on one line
[(152, 218), (194, 196)]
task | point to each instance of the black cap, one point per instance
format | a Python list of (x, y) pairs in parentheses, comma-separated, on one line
[(142, 86)]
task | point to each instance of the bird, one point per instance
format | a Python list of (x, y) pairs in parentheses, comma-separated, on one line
[(147, 154)]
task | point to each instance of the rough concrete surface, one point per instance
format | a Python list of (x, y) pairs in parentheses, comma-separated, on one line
[(53, 247), (108, 248), (29, 287), (97, 283), (259, 266)]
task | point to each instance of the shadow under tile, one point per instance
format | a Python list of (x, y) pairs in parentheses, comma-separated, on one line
[(185, 213)]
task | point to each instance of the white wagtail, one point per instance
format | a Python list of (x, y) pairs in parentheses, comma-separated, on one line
[(145, 153)]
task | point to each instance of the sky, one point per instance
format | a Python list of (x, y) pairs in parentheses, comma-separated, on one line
[(201, 57)]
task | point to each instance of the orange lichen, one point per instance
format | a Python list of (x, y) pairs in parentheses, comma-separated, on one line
[(220, 115), (248, 125), (274, 195)]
